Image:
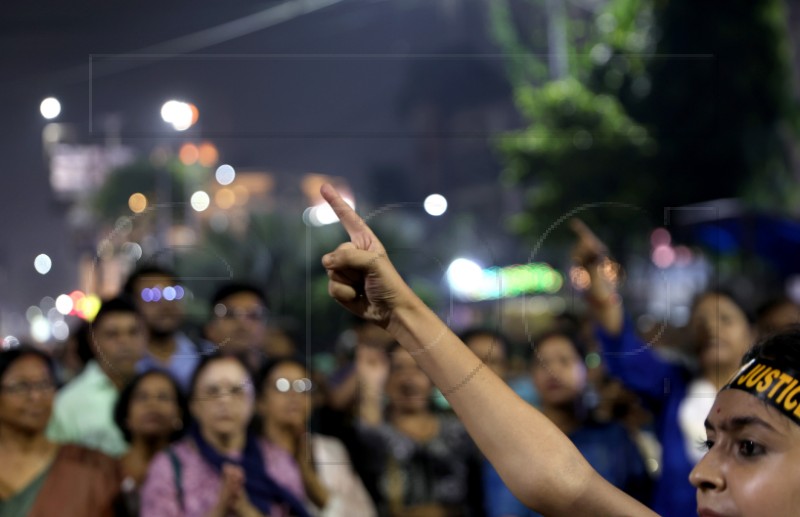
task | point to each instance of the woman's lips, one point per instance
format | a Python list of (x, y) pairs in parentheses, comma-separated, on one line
[(705, 512)]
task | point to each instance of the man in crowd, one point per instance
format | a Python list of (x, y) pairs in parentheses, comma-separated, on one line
[(238, 322), (83, 409), (155, 291)]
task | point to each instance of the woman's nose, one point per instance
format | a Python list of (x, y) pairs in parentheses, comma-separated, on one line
[(707, 474)]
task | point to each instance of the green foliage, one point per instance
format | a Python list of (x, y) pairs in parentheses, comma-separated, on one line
[(576, 150), (142, 176), (668, 103)]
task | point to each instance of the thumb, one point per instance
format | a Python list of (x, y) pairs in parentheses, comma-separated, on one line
[(348, 256)]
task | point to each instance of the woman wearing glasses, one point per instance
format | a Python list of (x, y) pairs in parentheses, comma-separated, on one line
[(284, 405), (39, 478), (221, 469), (150, 412)]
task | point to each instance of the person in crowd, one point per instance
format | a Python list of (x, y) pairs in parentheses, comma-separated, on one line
[(40, 478), (281, 339), (284, 405), (753, 430), (489, 345), (619, 404), (777, 313), (679, 396), (238, 322), (360, 348), (355, 391), (83, 411), (221, 468), (422, 462), (154, 290), (151, 413), (495, 348), (559, 373)]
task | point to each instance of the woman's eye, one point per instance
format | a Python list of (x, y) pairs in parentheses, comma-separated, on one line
[(705, 445), (749, 448)]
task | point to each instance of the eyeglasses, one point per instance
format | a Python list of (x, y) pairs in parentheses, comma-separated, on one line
[(215, 392), (283, 385), (253, 314), (27, 388)]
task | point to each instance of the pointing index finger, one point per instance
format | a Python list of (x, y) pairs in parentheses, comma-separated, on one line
[(580, 228), (356, 228)]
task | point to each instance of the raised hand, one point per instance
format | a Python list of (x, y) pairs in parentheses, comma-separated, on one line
[(360, 276), (530, 453), (590, 252), (588, 248), (372, 367)]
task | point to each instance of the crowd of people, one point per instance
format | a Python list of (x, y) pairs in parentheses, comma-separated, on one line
[(137, 418)]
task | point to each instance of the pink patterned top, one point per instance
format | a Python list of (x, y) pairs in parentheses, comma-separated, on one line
[(201, 484)]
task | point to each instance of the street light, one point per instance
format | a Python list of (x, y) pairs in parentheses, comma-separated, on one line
[(435, 204), (182, 115), (50, 108)]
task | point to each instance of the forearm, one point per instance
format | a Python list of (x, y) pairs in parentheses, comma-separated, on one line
[(604, 301), (317, 492), (537, 462), (370, 407)]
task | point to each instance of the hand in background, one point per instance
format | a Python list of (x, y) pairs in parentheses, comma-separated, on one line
[(591, 253), (372, 368), (588, 248)]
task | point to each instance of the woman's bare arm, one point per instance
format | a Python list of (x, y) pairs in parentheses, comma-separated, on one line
[(539, 464)]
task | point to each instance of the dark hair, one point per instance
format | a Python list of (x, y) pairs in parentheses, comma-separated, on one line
[(273, 363), (494, 334), (123, 405), (143, 272), (771, 305), (562, 331), (724, 293), (11, 355), (782, 346), (231, 288), (118, 304), (207, 360)]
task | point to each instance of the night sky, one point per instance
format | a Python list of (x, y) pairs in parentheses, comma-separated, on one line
[(331, 91)]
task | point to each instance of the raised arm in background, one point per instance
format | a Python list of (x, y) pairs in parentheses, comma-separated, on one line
[(537, 462), (605, 303)]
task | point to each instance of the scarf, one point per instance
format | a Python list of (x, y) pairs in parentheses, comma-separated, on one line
[(262, 490)]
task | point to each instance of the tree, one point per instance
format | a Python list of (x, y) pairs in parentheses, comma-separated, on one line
[(666, 103)]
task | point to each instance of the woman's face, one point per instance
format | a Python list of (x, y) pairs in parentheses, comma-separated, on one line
[(26, 395), (721, 331), (222, 402), (153, 412), (558, 372), (408, 388), (751, 468), (285, 399)]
